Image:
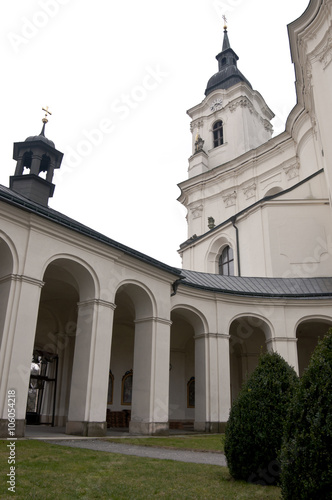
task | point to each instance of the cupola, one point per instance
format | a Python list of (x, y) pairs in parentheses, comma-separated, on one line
[(36, 159)]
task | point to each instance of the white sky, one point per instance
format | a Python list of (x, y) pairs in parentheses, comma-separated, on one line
[(131, 69)]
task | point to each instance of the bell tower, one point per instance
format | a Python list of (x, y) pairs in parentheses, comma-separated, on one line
[(38, 155), (231, 120)]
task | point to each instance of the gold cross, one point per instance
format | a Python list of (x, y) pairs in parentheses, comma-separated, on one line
[(45, 120), (47, 111), (225, 21)]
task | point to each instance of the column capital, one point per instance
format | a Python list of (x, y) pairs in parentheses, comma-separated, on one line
[(155, 319), (212, 335), (281, 339), (21, 278), (97, 302)]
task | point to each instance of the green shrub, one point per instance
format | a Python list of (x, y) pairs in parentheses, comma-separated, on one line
[(306, 455), (255, 427)]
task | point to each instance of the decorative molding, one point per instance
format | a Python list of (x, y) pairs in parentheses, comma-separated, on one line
[(197, 211), (196, 124), (97, 302), (154, 319), (243, 102), (292, 171), (249, 191), (229, 199), (325, 54), (23, 279)]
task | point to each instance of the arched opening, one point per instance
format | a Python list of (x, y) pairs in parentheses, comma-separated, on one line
[(308, 333), (185, 385), (133, 305), (273, 191), (218, 134), (248, 336), (6, 269), (66, 283)]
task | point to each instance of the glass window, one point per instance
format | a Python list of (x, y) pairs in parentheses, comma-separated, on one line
[(226, 262), (218, 134)]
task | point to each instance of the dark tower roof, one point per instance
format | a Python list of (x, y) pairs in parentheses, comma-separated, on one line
[(228, 74), (41, 137)]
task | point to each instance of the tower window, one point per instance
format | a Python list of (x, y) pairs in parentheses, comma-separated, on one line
[(223, 61), (226, 262), (218, 134)]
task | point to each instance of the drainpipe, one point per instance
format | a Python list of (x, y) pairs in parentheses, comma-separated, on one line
[(237, 245)]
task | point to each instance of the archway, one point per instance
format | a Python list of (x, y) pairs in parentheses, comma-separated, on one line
[(68, 285), (248, 336), (187, 381), (138, 365), (308, 333), (6, 270)]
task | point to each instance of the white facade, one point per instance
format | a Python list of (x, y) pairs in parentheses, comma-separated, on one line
[(108, 313)]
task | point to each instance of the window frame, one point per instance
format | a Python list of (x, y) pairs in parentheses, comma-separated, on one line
[(218, 133), (226, 259)]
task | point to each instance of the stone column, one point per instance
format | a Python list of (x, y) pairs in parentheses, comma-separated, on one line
[(17, 348), (89, 383), (212, 382), (150, 395), (287, 348)]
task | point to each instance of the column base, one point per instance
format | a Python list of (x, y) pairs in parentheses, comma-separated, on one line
[(149, 428), (87, 429), (19, 429), (210, 427)]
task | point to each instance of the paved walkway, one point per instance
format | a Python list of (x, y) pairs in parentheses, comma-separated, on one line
[(144, 451)]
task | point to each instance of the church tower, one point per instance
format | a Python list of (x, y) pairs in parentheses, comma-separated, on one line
[(227, 127), (38, 155), (231, 120)]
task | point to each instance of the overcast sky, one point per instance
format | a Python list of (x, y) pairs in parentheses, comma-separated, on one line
[(118, 78)]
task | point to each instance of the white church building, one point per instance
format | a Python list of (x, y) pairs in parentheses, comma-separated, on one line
[(94, 334)]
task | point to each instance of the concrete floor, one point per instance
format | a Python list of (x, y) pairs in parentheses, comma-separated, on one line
[(43, 432)]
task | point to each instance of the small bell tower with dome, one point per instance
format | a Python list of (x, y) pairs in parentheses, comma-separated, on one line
[(38, 155)]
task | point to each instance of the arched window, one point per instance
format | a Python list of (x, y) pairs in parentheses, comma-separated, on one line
[(127, 385), (226, 262), (218, 135)]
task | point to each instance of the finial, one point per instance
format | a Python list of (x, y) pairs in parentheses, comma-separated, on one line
[(225, 22), (47, 112)]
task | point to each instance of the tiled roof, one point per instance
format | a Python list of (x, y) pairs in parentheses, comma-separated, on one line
[(259, 287)]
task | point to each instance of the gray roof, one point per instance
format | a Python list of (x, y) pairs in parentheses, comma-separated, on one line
[(259, 287), (15, 199)]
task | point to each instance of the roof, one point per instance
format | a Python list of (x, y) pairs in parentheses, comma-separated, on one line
[(228, 74), (296, 288), (15, 199)]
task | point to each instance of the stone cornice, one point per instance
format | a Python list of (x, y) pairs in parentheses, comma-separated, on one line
[(22, 279)]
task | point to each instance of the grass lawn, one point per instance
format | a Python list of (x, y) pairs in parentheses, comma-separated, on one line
[(49, 471), (213, 442)]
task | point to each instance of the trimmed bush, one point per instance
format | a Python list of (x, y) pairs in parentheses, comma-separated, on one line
[(254, 430), (306, 455)]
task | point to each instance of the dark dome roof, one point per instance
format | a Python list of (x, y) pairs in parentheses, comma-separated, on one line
[(228, 74), (226, 78), (40, 138)]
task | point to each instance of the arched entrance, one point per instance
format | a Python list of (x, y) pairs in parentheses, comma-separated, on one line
[(139, 363), (248, 336), (188, 383), (308, 332), (71, 350)]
